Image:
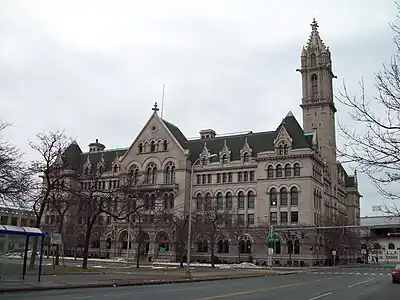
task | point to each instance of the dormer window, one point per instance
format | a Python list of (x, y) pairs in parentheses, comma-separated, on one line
[(115, 168), (245, 157), (224, 159), (283, 149), (86, 171)]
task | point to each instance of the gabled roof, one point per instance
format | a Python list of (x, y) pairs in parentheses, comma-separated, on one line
[(176, 132)]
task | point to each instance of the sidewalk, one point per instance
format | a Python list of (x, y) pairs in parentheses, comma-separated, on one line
[(134, 277)]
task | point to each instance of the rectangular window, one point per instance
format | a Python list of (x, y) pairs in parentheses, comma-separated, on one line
[(219, 178), (209, 178), (294, 217), (241, 219), (250, 219), (284, 217), (273, 217), (229, 177), (239, 176), (198, 179), (252, 177)]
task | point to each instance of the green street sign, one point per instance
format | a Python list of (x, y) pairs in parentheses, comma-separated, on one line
[(162, 250), (272, 238)]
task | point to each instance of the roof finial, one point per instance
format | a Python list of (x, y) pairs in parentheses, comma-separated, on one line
[(155, 108), (314, 25)]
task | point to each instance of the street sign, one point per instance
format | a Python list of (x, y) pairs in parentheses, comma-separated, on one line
[(272, 238), (162, 250), (56, 239), (333, 252)]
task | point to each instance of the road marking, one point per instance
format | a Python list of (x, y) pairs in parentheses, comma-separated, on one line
[(82, 297), (263, 290), (361, 282), (320, 296)]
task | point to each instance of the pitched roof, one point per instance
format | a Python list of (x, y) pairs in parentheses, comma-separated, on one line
[(258, 141)]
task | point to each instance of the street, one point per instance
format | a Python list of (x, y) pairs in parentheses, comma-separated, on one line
[(326, 283)]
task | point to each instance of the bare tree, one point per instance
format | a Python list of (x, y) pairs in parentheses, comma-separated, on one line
[(15, 177), (63, 202), (210, 221), (374, 148), (237, 230), (294, 238), (177, 221), (49, 166)]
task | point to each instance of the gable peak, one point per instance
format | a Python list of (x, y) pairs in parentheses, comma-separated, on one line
[(155, 107), (289, 114)]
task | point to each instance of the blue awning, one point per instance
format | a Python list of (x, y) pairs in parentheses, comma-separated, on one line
[(19, 230)]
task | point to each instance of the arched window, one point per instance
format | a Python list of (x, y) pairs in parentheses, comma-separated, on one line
[(199, 201), (250, 200), (241, 200), (153, 146), (391, 246), (278, 171), (313, 60), (288, 170), (284, 197), (296, 169), (294, 196), (224, 159), (245, 157), (115, 168), (154, 176), (314, 86), (140, 148), (171, 200), (296, 247), (170, 173), (166, 201), (228, 200), (220, 201), (207, 201), (270, 172), (273, 197), (165, 145), (245, 245)]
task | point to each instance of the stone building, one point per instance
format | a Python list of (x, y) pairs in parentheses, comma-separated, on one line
[(288, 176), (15, 217)]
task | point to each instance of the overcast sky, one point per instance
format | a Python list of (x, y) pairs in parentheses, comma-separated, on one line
[(95, 68)]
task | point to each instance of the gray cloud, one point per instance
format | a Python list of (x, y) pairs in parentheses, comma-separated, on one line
[(96, 70)]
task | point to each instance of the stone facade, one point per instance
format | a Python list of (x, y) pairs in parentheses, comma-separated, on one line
[(287, 177)]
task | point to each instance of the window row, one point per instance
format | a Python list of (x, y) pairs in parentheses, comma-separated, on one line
[(228, 220), (222, 203), (243, 176), (224, 159), (284, 196), (151, 173), (153, 146), (280, 171), (284, 217), (100, 185), (223, 245)]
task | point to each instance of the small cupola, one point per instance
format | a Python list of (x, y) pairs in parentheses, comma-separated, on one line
[(207, 134), (96, 146)]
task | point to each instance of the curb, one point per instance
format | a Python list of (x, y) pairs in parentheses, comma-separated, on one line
[(123, 283)]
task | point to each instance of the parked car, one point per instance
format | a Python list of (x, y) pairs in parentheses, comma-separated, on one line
[(396, 274)]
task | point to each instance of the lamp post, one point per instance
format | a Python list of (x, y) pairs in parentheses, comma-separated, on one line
[(189, 239)]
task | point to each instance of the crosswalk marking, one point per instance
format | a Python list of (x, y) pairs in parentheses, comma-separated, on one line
[(344, 273)]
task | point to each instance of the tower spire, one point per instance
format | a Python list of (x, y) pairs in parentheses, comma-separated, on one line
[(315, 41)]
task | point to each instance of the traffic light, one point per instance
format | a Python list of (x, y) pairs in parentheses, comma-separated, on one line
[(388, 235)]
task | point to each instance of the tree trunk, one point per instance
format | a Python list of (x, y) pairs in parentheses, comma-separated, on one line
[(181, 252), (85, 254), (138, 255), (60, 230), (212, 255)]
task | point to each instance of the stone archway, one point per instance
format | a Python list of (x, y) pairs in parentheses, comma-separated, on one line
[(162, 241)]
